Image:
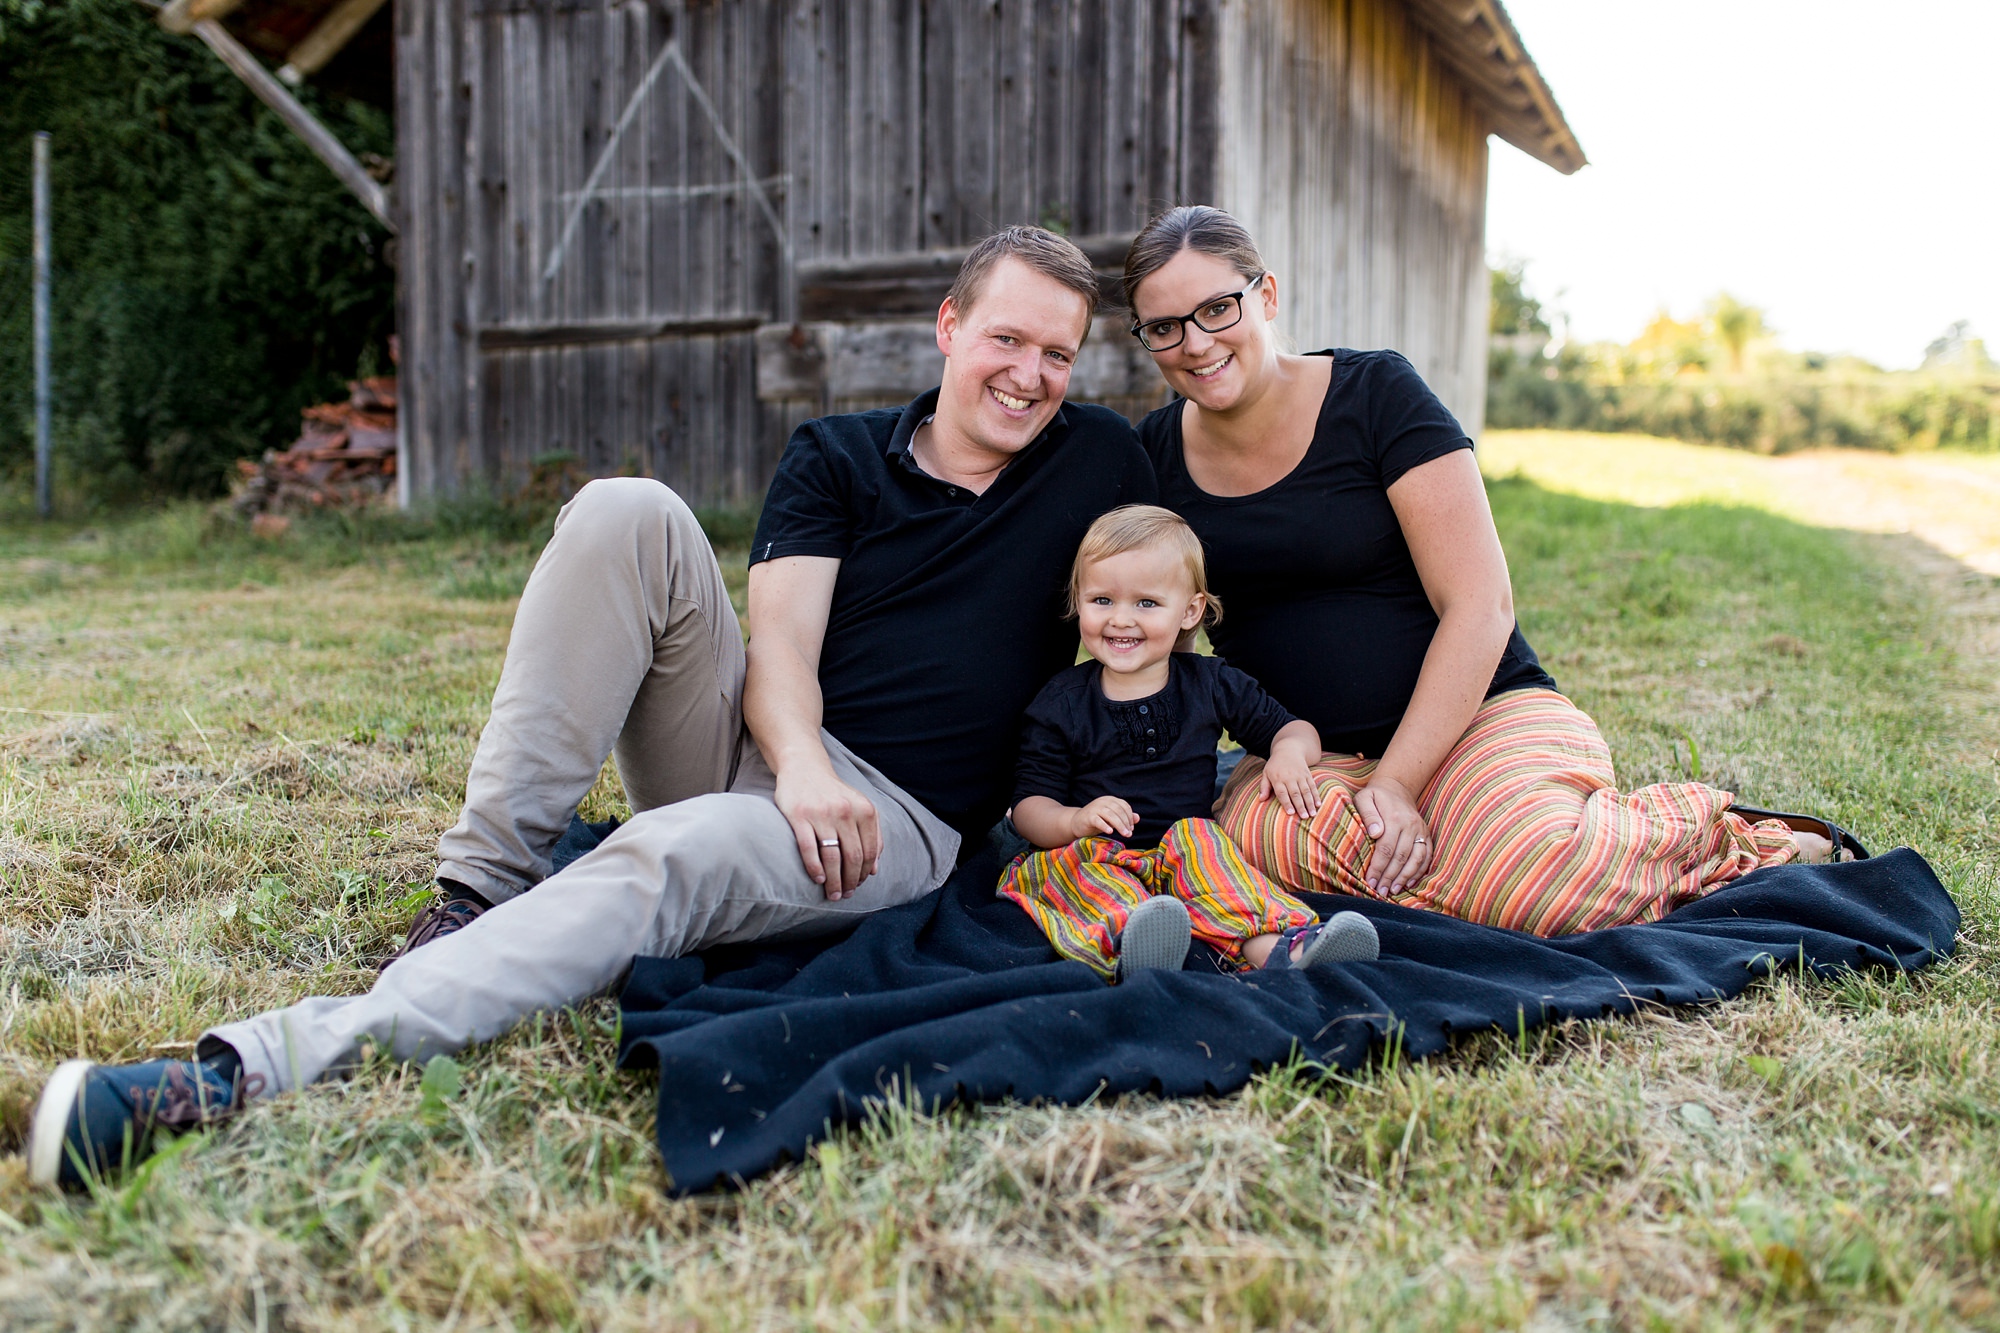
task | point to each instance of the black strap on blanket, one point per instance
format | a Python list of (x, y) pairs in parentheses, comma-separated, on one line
[(763, 1049)]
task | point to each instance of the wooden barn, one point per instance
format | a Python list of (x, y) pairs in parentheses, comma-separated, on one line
[(651, 235)]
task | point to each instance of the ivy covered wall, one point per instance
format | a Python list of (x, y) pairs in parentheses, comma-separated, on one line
[(211, 277)]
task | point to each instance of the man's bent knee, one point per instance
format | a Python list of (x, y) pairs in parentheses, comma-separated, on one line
[(629, 502)]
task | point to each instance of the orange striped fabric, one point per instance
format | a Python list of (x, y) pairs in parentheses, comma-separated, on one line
[(1527, 828), (1081, 894)]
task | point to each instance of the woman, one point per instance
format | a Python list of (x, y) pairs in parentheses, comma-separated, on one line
[(1348, 532)]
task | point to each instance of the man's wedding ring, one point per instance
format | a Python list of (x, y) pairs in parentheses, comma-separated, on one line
[(829, 842), (1421, 839)]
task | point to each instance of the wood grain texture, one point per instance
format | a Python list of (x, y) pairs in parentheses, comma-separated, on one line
[(327, 38), (884, 137), (1358, 160), (273, 93)]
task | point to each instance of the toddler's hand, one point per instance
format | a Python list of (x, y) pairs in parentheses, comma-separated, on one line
[(1290, 779), (1107, 816)]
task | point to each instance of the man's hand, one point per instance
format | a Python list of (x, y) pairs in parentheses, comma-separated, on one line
[(1402, 841), (840, 840), (839, 837), (1107, 816), (1288, 772)]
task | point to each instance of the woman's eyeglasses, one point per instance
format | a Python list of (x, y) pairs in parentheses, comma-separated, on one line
[(1224, 312)]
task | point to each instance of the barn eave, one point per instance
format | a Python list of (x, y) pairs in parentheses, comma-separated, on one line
[(1479, 44)]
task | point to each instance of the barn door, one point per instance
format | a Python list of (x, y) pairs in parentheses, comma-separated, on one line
[(614, 225)]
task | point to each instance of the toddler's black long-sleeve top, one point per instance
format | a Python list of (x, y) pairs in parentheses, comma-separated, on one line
[(1158, 753)]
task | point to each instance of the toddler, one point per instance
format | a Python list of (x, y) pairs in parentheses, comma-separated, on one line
[(1117, 776)]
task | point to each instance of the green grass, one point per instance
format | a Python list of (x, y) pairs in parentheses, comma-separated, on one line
[(226, 762)]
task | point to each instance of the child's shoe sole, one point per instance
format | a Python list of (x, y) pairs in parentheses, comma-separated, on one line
[(1156, 936), (1346, 937)]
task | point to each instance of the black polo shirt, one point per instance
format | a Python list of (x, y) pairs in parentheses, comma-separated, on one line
[(947, 613)]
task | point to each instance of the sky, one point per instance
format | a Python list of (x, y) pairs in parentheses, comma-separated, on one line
[(1835, 163)]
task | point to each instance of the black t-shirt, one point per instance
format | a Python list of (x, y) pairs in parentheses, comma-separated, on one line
[(947, 612), (1321, 600), (1158, 753)]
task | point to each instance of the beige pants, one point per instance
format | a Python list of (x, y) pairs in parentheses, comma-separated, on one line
[(625, 643)]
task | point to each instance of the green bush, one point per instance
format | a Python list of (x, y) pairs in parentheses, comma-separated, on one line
[(1770, 414), (211, 277), (1721, 378)]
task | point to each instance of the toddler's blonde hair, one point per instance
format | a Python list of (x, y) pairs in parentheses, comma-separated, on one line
[(1138, 527)]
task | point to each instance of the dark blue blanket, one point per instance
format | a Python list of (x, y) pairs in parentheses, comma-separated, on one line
[(957, 997)]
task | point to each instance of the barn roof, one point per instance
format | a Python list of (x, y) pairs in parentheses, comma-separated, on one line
[(342, 45), (1477, 41), (1474, 38)]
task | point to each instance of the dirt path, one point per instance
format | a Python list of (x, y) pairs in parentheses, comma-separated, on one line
[(1950, 502)]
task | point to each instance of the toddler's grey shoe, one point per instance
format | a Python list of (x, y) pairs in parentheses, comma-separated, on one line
[(1156, 935), (1345, 937)]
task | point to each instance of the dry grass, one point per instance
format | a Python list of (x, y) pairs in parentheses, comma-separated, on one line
[(224, 767)]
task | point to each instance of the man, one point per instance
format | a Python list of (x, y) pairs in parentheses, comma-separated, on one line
[(905, 605)]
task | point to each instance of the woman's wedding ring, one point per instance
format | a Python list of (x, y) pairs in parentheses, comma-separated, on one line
[(829, 842), (1421, 838)]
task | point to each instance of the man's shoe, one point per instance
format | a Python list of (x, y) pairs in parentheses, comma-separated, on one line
[(97, 1119), (450, 912)]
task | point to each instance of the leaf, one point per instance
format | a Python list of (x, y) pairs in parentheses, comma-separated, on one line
[(416, 898), (1694, 754), (443, 1077), (1768, 1068), (1698, 1118), (1788, 1265)]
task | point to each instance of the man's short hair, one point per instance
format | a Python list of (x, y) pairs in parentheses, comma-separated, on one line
[(1040, 249)]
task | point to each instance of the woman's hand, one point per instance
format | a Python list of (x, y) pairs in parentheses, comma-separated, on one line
[(1402, 840)]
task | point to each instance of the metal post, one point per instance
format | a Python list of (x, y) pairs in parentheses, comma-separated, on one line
[(42, 505)]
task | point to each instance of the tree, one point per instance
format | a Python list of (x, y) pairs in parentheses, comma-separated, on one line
[(1736, 326), (1670, 345), (1958, 351), (1514, 311), (211, 277)]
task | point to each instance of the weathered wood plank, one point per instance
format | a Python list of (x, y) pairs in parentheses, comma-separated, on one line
[(327, 39), (1201, 74), (300, 121), (915, 284), (894, 360), (494, 337)]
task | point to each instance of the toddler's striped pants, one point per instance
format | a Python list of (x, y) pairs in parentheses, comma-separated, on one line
[(1081, 894)]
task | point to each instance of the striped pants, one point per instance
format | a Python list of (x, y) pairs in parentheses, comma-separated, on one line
[(1081, 894), (1527, 829)]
